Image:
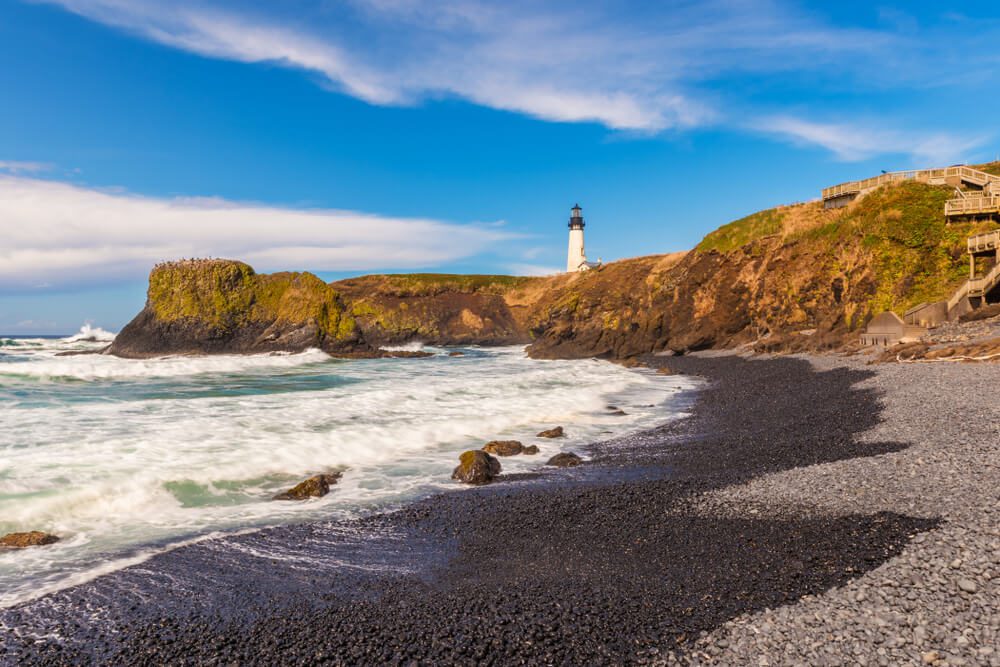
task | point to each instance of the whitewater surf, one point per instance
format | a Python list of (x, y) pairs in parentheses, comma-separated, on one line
[(122, 458)]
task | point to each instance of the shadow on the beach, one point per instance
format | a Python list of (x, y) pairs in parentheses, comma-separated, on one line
[(600, 567)]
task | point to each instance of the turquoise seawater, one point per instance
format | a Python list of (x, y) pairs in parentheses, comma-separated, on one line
[(124, 458)]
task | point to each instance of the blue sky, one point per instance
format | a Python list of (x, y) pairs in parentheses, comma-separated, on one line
[(394, 135)]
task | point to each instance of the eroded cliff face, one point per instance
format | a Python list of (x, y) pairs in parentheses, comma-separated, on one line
[(223, 306), (437, 309), (792, 278)]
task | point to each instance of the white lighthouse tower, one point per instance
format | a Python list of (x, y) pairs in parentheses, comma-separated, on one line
[(576, 258)]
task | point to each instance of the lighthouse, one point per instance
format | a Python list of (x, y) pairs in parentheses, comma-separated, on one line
[(576, 258)]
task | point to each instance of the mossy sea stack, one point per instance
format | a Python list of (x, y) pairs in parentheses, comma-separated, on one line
[(476, 467), (222, 306)]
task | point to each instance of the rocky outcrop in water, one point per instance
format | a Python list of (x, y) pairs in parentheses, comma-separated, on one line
[(476, 467), (316, 486), (556, 432), (503, 447), (33, 538), (223, 306)]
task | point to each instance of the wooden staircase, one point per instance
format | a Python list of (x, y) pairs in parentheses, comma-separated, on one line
[(980, 287), (975, 290), (982, 202)]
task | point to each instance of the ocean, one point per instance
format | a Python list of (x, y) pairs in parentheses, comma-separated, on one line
[(126, 458)]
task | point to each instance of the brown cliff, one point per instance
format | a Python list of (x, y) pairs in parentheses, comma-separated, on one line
[(790, 278)]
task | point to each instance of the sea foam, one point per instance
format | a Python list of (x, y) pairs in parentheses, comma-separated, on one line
[(117, 456)]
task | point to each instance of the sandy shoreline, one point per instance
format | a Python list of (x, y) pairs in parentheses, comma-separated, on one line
[(659, 550)]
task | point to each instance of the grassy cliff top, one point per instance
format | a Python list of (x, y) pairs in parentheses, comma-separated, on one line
[(989, 168), (227, 294), (428, 284), (915, 255)]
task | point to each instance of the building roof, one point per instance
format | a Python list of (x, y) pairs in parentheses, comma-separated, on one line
[(886, 323)]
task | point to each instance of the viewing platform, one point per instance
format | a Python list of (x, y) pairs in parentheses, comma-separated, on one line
[(983, 198), (975, 205)]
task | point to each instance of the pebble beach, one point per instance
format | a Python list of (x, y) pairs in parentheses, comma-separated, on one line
[(809, 510)]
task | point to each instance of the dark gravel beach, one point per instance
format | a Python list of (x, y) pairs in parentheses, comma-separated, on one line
[(613, 562)]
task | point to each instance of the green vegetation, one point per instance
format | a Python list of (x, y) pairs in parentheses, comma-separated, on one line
[(896, 238), (225, 295), (218, 292), (427, 284), (916, 256), (743, 231), (989, 168)]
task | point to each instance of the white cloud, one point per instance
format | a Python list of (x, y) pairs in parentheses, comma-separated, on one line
[(633, 67), (849, 142), (58, 235), (638, 66)]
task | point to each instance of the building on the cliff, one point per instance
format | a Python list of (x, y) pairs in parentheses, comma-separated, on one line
[(887, 329), (576, 259)]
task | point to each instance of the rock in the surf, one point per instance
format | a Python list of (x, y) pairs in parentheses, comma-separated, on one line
[(556, 432), (34, 538), (530, 449), (476, 467), (565, 460), (503, 447), (316, 486)]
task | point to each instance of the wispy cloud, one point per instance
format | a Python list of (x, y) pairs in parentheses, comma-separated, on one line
[(633, 67), (15, 167), (854, 142), (58, 235)]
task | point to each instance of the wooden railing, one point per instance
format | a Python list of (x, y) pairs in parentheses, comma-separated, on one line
[(876, 181), (972, 205), (933, 176), (959, 294), (985, 241), (980, 286)]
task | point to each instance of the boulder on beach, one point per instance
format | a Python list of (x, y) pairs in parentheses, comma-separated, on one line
[(530, 449), (556, 432), (316, 486), (476, 467), (565, 460), (34, 538), (456, 353), (503, 447)]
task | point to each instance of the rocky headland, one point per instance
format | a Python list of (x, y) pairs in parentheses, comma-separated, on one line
[(792, 278)]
